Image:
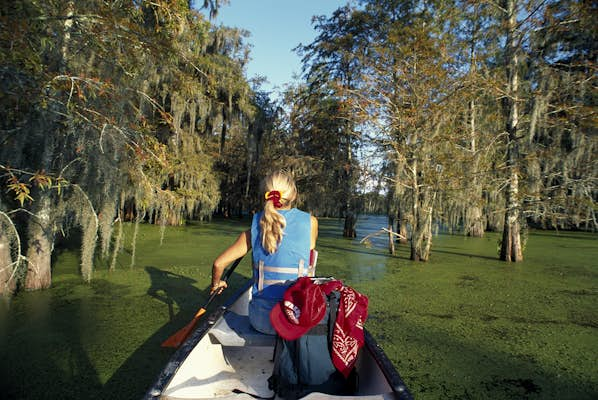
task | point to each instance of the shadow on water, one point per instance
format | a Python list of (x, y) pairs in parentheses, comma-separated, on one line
[(66, 337), (565, 235), (133, 378), (42, 338), (171, 288), (463, 254)]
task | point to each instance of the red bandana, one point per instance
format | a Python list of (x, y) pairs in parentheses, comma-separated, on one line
[(348, 335)]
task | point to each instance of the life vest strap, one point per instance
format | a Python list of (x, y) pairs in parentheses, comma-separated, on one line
[(294, 273)]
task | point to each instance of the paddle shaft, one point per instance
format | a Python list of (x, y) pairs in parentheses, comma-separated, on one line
[(182, 334)]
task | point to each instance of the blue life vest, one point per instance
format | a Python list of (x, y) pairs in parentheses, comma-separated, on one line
[(288, 262)]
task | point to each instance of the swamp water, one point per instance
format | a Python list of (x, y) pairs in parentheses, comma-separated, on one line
[(462, 326)]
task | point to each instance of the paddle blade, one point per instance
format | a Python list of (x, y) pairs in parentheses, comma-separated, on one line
[(183, 333)]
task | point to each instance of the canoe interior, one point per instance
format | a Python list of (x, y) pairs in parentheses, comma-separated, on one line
[(233, 360)]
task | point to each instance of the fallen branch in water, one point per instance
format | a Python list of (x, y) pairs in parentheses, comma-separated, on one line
[(380, 232)]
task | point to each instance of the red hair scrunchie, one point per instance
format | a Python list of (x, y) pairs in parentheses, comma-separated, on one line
[(275, 196)]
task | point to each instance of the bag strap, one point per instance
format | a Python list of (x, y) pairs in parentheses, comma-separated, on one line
[(333, 302)]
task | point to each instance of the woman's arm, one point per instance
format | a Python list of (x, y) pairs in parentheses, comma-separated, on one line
[(314, 232), (237, 250)]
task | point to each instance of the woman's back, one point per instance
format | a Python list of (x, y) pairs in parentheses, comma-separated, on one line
[(289, 261)]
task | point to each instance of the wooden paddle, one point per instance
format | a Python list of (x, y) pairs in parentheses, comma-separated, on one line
[(181, 335)]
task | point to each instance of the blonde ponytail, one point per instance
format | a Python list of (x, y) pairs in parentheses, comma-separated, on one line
[(272, 222)]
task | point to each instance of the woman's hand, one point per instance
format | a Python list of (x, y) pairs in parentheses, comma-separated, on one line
[(235, 251), (218, 287)]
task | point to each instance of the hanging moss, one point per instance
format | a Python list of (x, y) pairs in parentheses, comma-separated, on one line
[(89, 224), (122, 118), (106, 221), (118, 241), (138, 219)]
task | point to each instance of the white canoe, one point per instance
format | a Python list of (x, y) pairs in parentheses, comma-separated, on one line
[(224, 358)]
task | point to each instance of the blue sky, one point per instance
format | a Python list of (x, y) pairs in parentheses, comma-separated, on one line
[(276, 27)]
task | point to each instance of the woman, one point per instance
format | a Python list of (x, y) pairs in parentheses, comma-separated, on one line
[(282, 238)]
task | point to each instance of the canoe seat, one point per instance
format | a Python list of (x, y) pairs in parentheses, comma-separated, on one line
[(235, 330)]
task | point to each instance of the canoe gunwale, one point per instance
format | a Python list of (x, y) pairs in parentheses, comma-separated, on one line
[(183, 352), (399, 389), (395, 381)]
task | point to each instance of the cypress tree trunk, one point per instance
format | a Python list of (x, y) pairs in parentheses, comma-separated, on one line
[(423, 206), (511, 238), (350, 222), (40, 237), (40, 228), (7, 281), (402, 225), (416, 228), (427, 237), (391, 238), (421, 239), (476, 221), (350, 215)]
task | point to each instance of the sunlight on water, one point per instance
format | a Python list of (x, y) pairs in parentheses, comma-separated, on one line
[(350, 260)]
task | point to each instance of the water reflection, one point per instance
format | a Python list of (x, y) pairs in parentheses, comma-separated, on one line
[(349, 259), (369, 224), (368, 270)]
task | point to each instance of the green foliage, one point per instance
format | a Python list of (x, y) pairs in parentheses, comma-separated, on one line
[(321, 119), (116, 100), (427, 85)]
